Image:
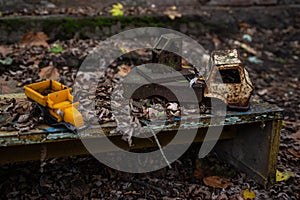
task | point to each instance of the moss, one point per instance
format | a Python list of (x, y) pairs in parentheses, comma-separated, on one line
[(64, 27), (12, 21)]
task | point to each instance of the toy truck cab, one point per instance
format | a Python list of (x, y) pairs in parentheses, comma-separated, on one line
[(228, 80)]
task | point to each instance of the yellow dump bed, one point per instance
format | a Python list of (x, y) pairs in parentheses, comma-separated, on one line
[(39, 92)]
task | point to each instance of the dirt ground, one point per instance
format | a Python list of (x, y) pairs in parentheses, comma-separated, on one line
[(272, 58)]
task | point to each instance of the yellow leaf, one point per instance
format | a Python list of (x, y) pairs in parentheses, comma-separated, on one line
[(283, 124), (117, 10), (283, 176), (118, 6), (123, 50), (187, 67), (248, 194)]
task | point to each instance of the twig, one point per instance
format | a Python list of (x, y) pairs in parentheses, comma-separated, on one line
[(43, 158), (159, 146), (161, 191)]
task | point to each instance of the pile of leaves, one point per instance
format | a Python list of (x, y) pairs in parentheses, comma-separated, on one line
[(18, 115)]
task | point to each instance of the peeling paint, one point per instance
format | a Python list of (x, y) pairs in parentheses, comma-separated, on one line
[(57, 136)]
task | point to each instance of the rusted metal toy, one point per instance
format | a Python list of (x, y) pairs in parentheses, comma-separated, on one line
[(56, 103), (227, 80), (235, 87)]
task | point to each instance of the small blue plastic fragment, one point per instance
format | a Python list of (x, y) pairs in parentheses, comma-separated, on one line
[(247, 37), (254, 59), (52, 129)]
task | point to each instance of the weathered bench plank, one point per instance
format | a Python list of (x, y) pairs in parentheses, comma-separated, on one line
[(249, 140)]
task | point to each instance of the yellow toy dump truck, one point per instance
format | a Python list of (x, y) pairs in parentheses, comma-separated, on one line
[(56, 102)]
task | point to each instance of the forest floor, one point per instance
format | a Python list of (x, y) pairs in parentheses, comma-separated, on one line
[(272, 58)]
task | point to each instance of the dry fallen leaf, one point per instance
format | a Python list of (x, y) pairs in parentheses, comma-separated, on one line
[(49, 72), (244, 25), (222, 197), (124, 70), (296, 135), (5, 50), (173, 110), (294, 152), (217, 182), (9, 87), (35, 39), (172, 14)]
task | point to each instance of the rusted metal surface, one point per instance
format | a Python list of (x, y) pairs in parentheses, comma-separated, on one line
[(222, 57), (229, 80)]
